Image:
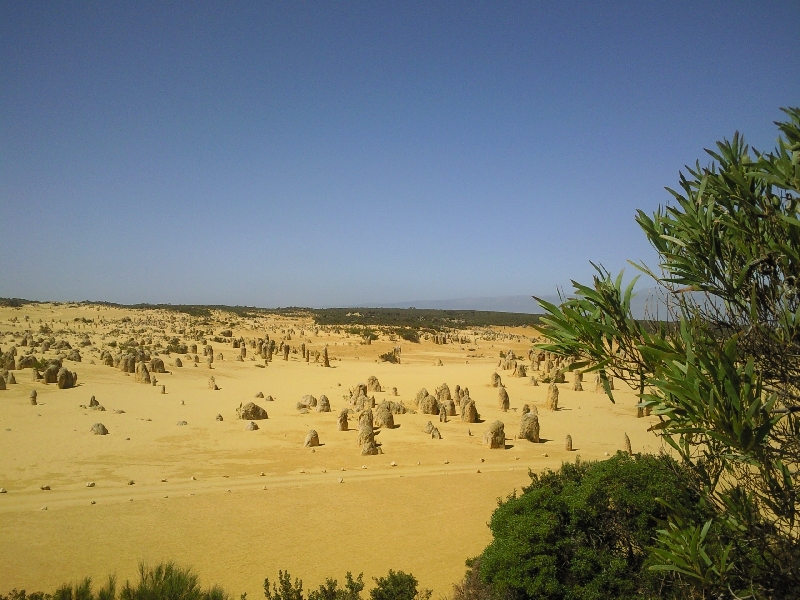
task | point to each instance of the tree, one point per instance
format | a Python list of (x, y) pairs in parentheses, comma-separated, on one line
[(722, 373)]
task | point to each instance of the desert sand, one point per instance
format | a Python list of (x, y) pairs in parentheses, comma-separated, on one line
[(239, 505)]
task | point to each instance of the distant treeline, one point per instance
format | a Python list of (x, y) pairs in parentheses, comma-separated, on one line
[(420, 318), (415, 318)]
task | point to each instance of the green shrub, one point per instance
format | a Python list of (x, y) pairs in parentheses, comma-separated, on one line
[(583, 532), (167, 581), (398, 586), (390, 356), (410, 335), (284, 589), (331, 590)]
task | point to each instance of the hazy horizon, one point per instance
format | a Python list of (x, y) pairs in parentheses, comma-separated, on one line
[(362, 153)]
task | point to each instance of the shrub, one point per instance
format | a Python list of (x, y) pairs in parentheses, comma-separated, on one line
[(398, 586), (583, 532), (410, 335), (390, 356), (167, 581), (284, 589), (472, 587), (331, 590)]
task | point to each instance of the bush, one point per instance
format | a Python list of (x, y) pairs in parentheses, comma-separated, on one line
[(390, 356), (471, 587), (583, 532), (331, 590), (398, 586), (410, 335), (167, 581)]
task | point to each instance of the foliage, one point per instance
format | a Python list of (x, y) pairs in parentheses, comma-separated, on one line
[(471, 587), (166, 581), (420, 318), (409, 335), (398, 586), (390, 356), (723, 374), (284, 589), (583, 532), (331, 590)]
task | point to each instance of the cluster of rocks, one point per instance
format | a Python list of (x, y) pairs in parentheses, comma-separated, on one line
[(509, 362), (445, 404), (320, 405)]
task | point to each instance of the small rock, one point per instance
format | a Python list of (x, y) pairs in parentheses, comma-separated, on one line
[(3, 491), (192, 478), (92, 502), (219, 417), (341, 480), (251, 426), (182, 423), (130, 482), (394, 464), (90, 484), (45, 487)]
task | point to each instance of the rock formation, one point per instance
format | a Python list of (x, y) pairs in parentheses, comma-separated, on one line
[(312, 439), (384, 416), (469, 414), (502, 399), (142, 374), (66, 379), (373, 385), (495, 436), (251, 412), (429, 406), (529, 427), (552, 397), (341, 422), (99, 429)]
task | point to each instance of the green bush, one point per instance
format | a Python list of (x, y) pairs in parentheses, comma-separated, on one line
[(331, 590), (584, 531), (409, 335), (166, 581), (398, 586)]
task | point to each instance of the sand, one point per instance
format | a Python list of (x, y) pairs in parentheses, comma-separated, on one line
[(317, 514)]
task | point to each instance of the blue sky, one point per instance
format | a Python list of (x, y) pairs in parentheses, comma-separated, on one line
[(336, 154)]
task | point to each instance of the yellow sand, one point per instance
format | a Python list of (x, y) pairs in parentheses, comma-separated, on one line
[(216, 512)]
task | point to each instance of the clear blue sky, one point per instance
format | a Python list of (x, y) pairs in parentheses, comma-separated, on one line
[(356, 153)]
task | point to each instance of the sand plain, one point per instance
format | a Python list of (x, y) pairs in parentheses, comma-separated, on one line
[(239, 505)]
